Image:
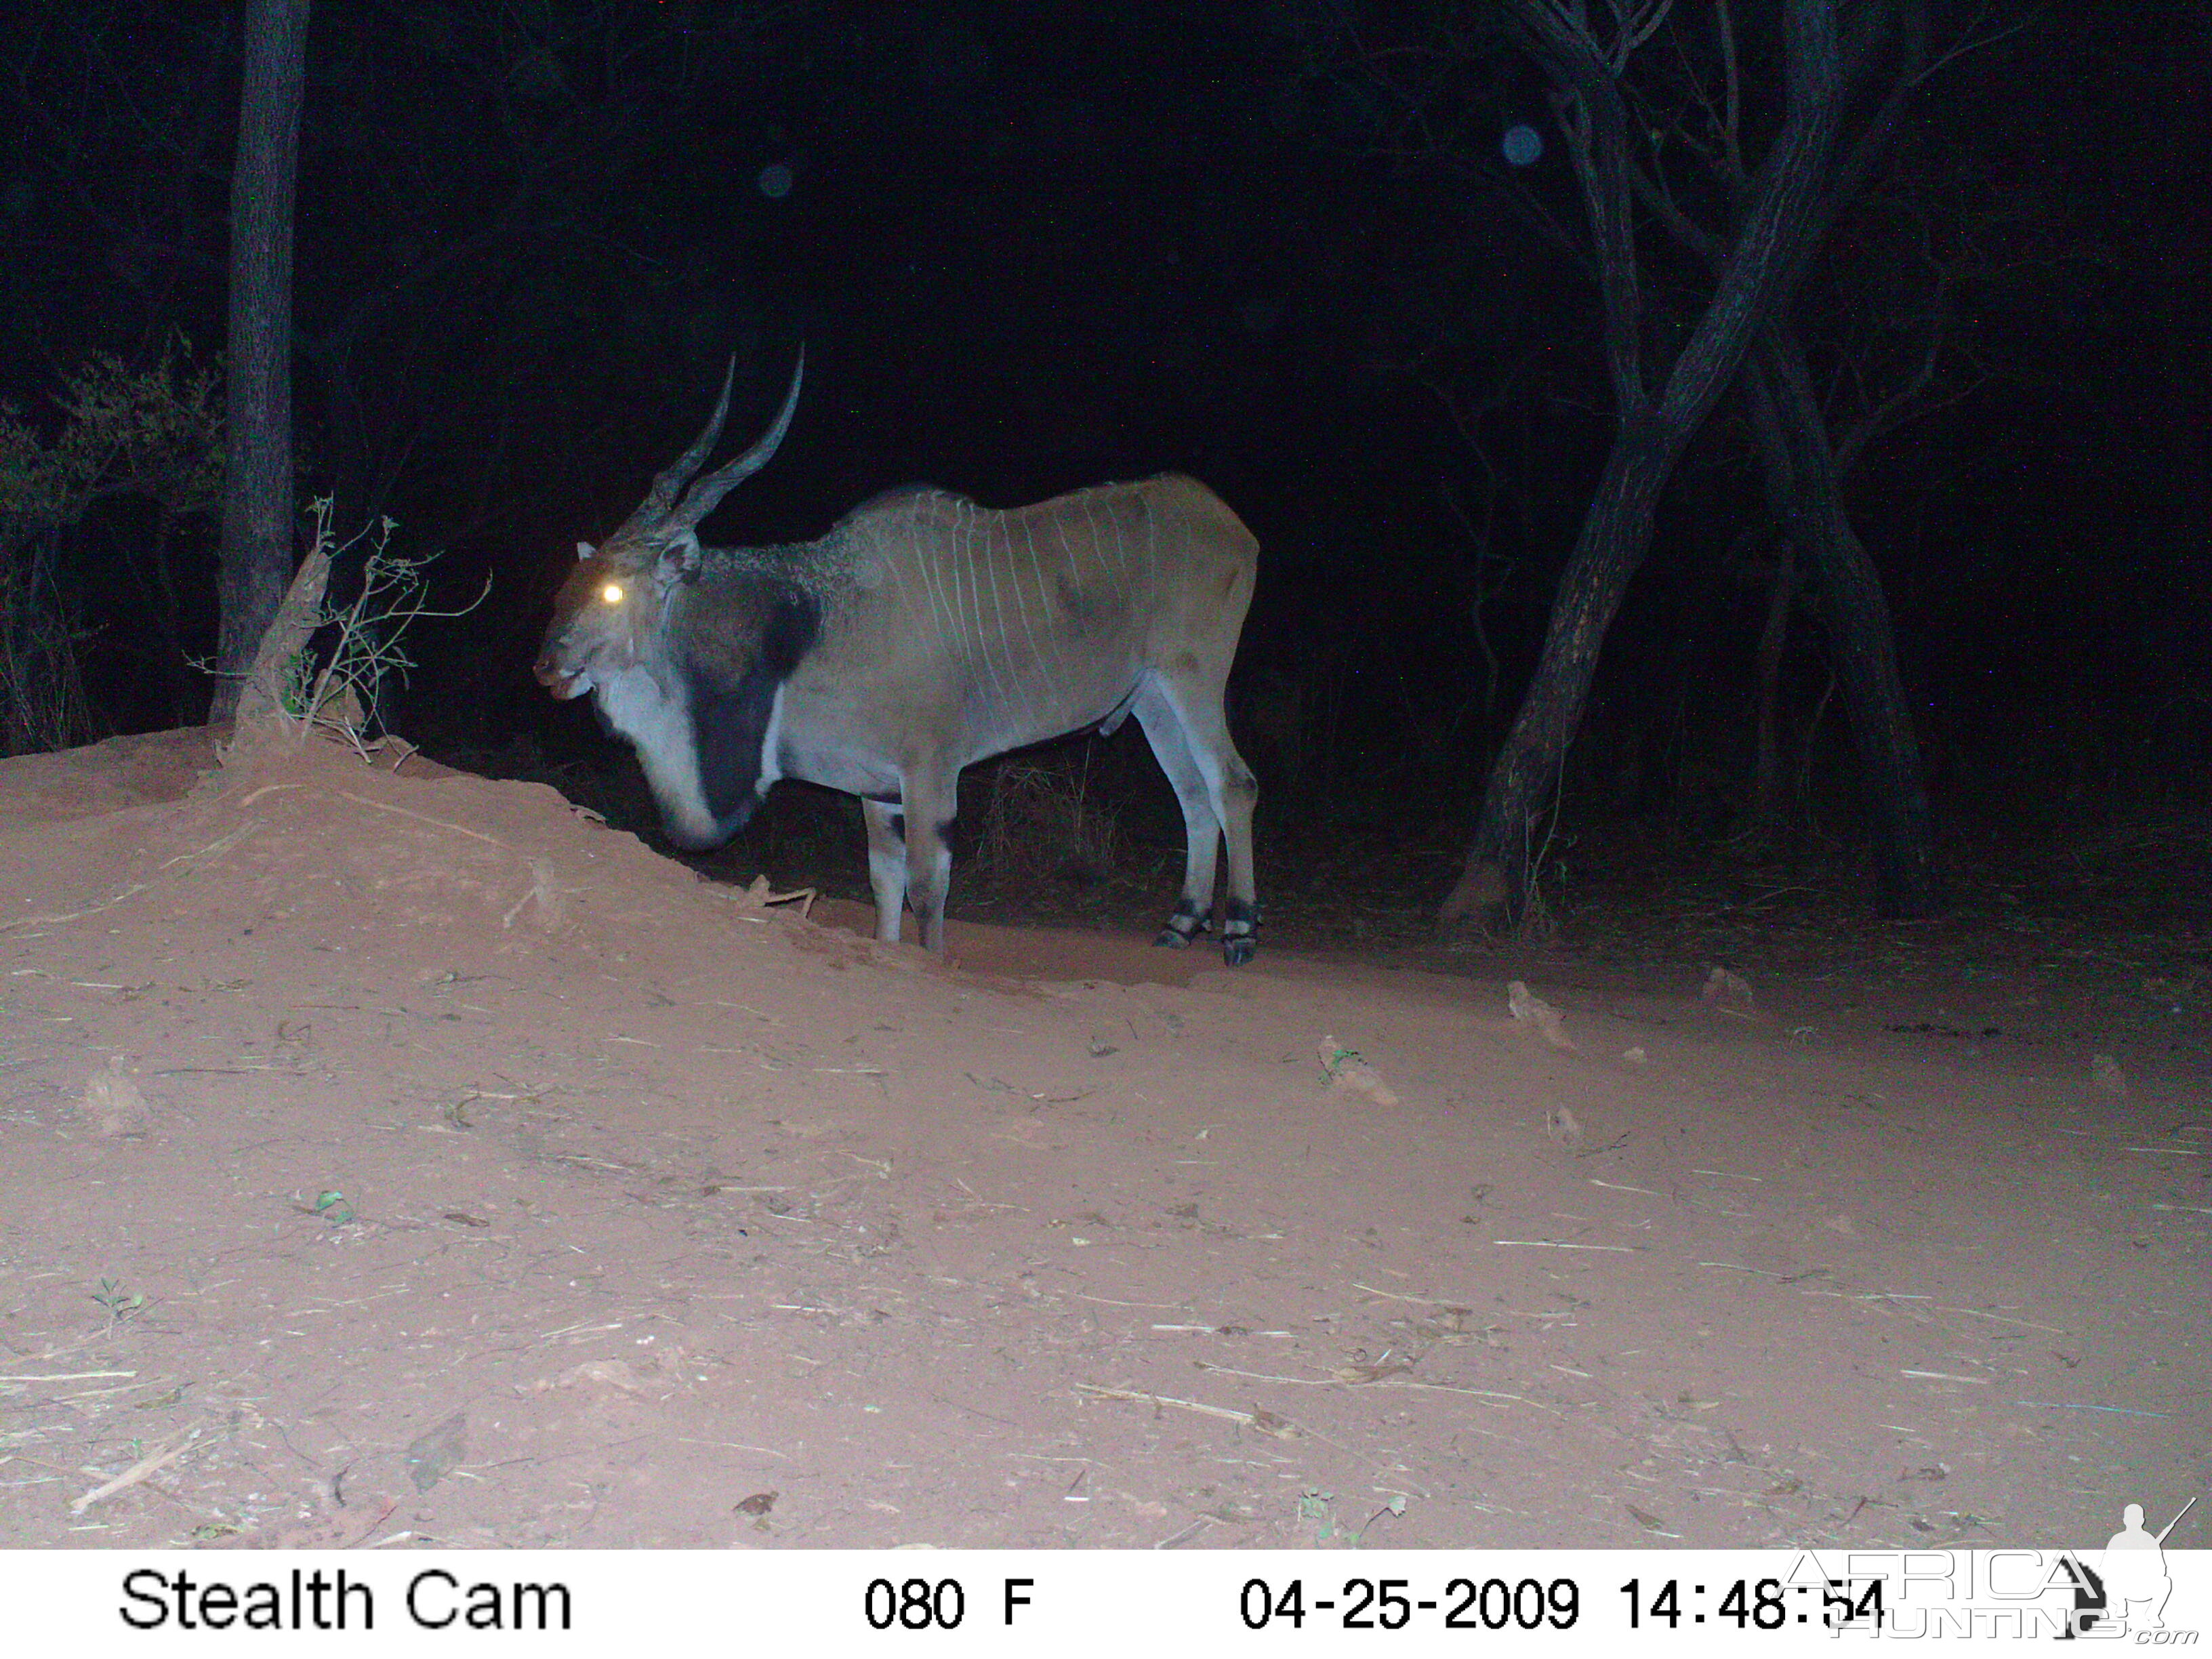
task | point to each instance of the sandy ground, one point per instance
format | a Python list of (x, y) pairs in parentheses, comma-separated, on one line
[(414, 1159)]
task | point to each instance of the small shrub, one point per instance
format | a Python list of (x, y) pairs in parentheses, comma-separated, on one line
[(365, 639), (1043, 823), (155, 434)]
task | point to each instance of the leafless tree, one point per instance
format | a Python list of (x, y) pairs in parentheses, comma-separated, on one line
[(1804, 463), (1767, 243)]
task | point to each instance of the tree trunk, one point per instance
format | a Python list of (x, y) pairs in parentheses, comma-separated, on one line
[(264, 721), (1766, 788), (1764, 253), (1806, 493), (255, 562), (1616, 533)]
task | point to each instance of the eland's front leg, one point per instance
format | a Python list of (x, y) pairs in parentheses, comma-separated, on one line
[(927, 802), (886, 865)]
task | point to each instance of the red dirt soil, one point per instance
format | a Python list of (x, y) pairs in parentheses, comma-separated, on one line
[(665, 1217)]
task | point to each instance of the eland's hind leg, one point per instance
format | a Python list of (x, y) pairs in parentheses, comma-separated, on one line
[(1187, 720), (1217, 795)]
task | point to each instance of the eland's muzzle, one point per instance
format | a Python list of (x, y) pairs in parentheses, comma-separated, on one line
[(563, 682)]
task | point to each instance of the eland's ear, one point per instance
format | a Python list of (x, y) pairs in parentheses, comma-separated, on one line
[(584, 550), (680, 561)]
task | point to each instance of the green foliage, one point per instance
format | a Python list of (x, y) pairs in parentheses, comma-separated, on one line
[(155, 432), (120, 1304)]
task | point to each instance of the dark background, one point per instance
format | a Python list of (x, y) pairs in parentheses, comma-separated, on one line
[(1030, 247)]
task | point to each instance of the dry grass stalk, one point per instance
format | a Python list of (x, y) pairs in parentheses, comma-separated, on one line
[(153, 1463), (1042, 824), (1263, 1422)]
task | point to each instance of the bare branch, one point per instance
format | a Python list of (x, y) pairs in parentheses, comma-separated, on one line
[(1886, 415), (1732, 98), (1638, 22), (1969, 42), (1712, 146), (1595, 122), (1660, 202)]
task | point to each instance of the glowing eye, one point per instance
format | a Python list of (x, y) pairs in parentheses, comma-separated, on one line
[(612, 593)]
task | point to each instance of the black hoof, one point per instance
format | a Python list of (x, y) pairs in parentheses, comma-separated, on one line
[(1239, 951), (1171, 940)]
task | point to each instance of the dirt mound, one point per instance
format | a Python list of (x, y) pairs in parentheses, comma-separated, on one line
[(412, 1157), (105, 777)]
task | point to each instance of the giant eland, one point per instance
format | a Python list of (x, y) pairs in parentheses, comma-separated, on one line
[(922, 634)]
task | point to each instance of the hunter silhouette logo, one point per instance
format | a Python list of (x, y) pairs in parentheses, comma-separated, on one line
[(2125, 1593), (2135, 1582), (2119, 1593)]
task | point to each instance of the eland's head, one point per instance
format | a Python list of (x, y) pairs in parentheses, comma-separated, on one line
[(613, 605)]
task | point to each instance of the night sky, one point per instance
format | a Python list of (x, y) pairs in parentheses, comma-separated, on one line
[(1030, 247)]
